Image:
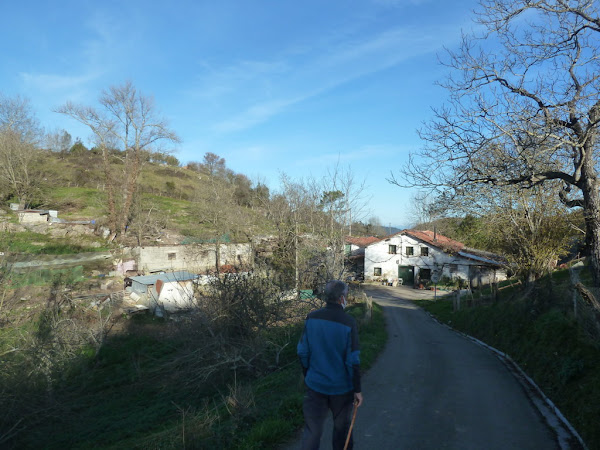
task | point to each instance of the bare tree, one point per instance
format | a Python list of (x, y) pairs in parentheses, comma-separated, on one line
[(19, 135), (147, 223), (216, 209), (214, 164), (524, 107), (313, 217), (297, 205), (58, 141), (17, 176), (127, 122), (531, 228), (343, 200), (16, 115)]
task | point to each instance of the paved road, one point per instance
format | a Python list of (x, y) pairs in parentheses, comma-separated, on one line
[(432, 388)]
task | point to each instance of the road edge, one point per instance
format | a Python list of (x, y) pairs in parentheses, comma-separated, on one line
[(566, 434)]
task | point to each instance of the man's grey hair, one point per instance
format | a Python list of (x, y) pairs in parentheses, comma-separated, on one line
[(334, 290)]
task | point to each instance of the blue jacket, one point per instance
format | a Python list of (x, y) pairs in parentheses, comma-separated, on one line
[(328, 351)]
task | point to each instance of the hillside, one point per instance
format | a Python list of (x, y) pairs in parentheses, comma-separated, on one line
[(173, 203)]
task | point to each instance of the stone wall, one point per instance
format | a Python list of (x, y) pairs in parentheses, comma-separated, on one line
[(32, 217), (196, 258)]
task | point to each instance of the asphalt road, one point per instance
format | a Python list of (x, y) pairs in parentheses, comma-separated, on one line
[(432, 388)]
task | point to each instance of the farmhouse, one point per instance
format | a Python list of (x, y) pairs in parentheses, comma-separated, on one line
[(354, 251), (415, 258)]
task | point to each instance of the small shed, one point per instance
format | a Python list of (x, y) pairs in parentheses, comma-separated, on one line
[(36, 215), (170, 291)]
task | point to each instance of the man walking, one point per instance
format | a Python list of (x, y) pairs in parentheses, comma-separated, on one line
[(328, 351)]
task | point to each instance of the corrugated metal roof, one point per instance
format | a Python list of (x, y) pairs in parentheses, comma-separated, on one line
[(479, 258), (179, 275)]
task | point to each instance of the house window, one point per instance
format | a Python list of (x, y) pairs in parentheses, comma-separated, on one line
[(410, 251), (172, 256), (392, 249), (348, 249), (377, 271), (424, 251), (425, 274), (453, 268)]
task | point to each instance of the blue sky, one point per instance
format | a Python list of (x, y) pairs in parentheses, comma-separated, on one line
[(270, 85)]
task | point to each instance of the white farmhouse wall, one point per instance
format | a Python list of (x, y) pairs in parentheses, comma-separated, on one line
[(425, 260), (378, 256), (193, 258)]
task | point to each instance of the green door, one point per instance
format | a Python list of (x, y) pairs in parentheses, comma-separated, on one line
[(407, 273)]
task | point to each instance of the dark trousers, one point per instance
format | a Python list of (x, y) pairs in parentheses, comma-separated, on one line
[(315, 407)]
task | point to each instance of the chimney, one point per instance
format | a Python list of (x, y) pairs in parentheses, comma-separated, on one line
[(434, 233)]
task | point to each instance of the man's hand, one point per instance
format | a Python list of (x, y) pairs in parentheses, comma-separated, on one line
[(358, 399)]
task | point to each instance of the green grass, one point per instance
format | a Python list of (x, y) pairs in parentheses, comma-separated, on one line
[(373, 335), (127, 397), (44, 277), (540, 334), (44, 244), (76, 202), (75, 187)]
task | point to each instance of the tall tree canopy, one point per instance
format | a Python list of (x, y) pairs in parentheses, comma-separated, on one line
[(523, 109)]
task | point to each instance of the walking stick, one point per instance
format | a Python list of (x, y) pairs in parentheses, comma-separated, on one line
[(351, 425)]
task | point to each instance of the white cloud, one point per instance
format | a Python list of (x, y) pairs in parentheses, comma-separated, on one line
[(216, 82), (93, 56), (283, 84), (53, 82), (365, 153), (254, 115)]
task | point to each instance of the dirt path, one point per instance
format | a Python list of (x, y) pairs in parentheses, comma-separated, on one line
[(432, 388), (58, 261)]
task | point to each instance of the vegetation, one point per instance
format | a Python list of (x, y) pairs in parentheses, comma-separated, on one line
[(198, 383), (27, 242), (19, 134), (538, 329), (224, 377), (126, 126)]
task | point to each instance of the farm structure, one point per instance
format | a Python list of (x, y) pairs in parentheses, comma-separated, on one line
[(414, 257)]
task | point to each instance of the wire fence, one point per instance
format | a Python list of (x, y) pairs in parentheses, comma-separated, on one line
[(586, 310), (572, 297)]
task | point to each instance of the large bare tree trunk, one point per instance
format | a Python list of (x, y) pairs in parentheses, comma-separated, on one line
[(110, 191), (130, 189), (591, 200)]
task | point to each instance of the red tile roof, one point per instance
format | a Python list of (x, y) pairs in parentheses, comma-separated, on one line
[(435, 239), (361, 241), (431, 238)]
